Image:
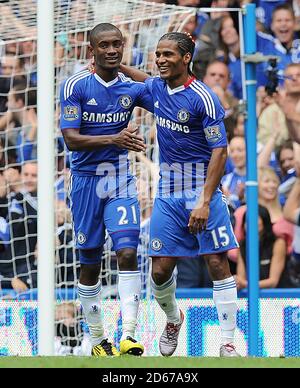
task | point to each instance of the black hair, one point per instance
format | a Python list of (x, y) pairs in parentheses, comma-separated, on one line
[(266, 240), (102, 27), (184, 42), (287, 145), (268, 236), (283, 7)]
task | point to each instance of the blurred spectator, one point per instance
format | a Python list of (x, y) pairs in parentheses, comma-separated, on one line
[(190, 25), (11, 24), (286, 159), (239, 128), (13, 180), (289, 100), (67, 265), (271, 117), (272, 255), (192, 272), (22, 215), (268, 183), (5, 269), (230, 46), (20, 121), (292, 213), (217, 77), (266, 152), (234, 183), (208, 41), (295, 4), (11, 71), (70, 338), (8, 155), (188, 3), (72, 54), (264, 11), (29, 57), (283, 44)]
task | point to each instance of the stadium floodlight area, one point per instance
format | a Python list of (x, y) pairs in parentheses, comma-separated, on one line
[(142, 24)]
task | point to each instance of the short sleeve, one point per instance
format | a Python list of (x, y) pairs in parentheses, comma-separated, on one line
[(149, 84), (213, 125), (70, 114), (145, 99)]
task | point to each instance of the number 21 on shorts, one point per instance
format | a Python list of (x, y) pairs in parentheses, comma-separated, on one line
[(124, 215)]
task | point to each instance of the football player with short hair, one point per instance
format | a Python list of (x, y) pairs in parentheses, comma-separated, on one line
[(190, 214), (95, 113)]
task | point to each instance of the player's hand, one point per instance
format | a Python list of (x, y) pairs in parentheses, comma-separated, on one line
[(198, 219), (129, 139)]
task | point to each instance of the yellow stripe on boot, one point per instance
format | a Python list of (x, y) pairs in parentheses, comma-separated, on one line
[(104, 349), (131, 346)]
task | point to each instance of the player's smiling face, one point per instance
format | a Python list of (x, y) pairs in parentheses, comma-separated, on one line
[(108, 50), (171, 64)]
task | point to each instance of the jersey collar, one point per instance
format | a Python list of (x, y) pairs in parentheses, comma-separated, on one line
[(106, 84), (181, 87)]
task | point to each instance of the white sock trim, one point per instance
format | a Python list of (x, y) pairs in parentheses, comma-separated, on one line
[(225, 284), (89, 291)]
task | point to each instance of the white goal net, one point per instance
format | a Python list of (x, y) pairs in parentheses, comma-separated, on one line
[(142, 24)]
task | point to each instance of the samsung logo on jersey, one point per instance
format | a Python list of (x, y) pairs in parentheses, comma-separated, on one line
[(165, 123), (106, 118)]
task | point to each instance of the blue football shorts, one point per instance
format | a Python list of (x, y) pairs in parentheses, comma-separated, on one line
[(169, 232), (93, 213)]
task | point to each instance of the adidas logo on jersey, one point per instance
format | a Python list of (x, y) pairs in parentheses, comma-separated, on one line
[(156, 104), (92, 102)]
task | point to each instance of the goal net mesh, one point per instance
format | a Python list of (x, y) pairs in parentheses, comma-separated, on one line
[(142, 24)]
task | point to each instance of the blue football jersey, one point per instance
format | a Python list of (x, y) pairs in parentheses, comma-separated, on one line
[(98, 108), (189, 122)]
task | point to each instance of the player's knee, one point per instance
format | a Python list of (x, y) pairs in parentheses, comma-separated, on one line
[(218, 267), (127, 259), (89, 274), (160, 276)]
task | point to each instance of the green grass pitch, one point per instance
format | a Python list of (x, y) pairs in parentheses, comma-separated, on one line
[(147, 362)]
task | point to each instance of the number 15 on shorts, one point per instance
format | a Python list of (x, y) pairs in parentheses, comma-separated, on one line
[(220, 237)]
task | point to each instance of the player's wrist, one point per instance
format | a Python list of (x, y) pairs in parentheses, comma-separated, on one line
[(206, 199), (113, 140)]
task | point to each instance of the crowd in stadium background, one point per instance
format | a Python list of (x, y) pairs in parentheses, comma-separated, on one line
[(217, 63)]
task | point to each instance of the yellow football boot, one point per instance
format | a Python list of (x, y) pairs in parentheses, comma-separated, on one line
[(131, 346), (105, 348)]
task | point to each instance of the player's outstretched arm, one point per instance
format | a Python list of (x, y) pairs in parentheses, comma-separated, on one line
[(215, 171), (127, 139), (135, 74)]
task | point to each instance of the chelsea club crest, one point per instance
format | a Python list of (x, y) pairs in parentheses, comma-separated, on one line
[(183, 115), (156, 244), (81, 238), (126, 101)]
